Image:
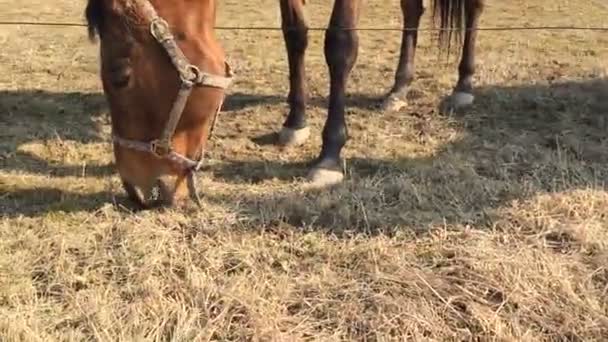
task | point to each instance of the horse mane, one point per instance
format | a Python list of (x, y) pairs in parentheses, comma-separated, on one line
[(95, 18)]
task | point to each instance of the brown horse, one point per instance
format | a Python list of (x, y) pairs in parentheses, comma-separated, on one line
[(341, 47), (162, 72)]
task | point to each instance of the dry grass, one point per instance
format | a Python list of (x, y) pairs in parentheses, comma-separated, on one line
[(484, 225)]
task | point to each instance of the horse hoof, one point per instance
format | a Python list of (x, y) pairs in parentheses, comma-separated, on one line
[(393, 103), (322, 178), (461, 99), (293, 137)]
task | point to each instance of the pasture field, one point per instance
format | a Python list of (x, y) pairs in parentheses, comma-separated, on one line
[(487, 225)]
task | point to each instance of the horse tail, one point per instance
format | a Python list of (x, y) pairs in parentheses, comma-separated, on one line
[(451, 15)]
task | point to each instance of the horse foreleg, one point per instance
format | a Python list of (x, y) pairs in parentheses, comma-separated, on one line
[(295, 34), (341, 48), (396, 99)]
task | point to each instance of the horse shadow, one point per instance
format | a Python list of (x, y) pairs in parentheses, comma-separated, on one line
[(38, 201), (516, 140), (34, 116), (544, 111), (238, 101), (40, 116)]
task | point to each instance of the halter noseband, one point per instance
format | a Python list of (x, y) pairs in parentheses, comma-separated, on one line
[(190, 76)]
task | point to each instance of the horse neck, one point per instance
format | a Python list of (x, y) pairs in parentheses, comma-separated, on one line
[(203, 12), (207, 11)]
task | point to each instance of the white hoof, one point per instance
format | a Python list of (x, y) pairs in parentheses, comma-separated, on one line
[(393, 103), (293, 137), (461, 99), (321, 178)]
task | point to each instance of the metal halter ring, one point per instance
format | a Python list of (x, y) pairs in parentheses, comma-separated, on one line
[(191, 75)]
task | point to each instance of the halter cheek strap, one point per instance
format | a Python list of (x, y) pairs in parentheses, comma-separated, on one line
[(190, 76)]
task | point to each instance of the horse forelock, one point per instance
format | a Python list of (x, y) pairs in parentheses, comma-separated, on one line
[(96, 15)]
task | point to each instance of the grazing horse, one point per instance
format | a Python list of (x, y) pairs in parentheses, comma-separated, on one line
[(341, 47), (164, 76)]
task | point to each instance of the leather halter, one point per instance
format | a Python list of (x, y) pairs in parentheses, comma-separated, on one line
[(190, 76)]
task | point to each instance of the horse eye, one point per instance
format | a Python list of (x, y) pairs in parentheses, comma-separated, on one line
[(120, 72)]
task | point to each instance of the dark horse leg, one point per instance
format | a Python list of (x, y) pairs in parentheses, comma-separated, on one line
[(463, 92), (341, 48), (397, 97), (450, 13), (295, 34)]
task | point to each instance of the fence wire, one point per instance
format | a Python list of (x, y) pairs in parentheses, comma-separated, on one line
[(273, 28)]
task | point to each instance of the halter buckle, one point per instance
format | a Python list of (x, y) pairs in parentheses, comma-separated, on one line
[(159, 28), (160, 148)]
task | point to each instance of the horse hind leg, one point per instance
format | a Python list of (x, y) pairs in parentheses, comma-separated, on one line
[(462, 95), (396, 99), (295, 34)]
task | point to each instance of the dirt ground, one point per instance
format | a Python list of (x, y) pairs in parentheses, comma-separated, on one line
[(485, 225)]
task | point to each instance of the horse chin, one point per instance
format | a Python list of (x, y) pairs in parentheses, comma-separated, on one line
[(173, 191), (152, 191)]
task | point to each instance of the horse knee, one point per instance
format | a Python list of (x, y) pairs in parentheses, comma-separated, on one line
[(296, 38), (341, 48)]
